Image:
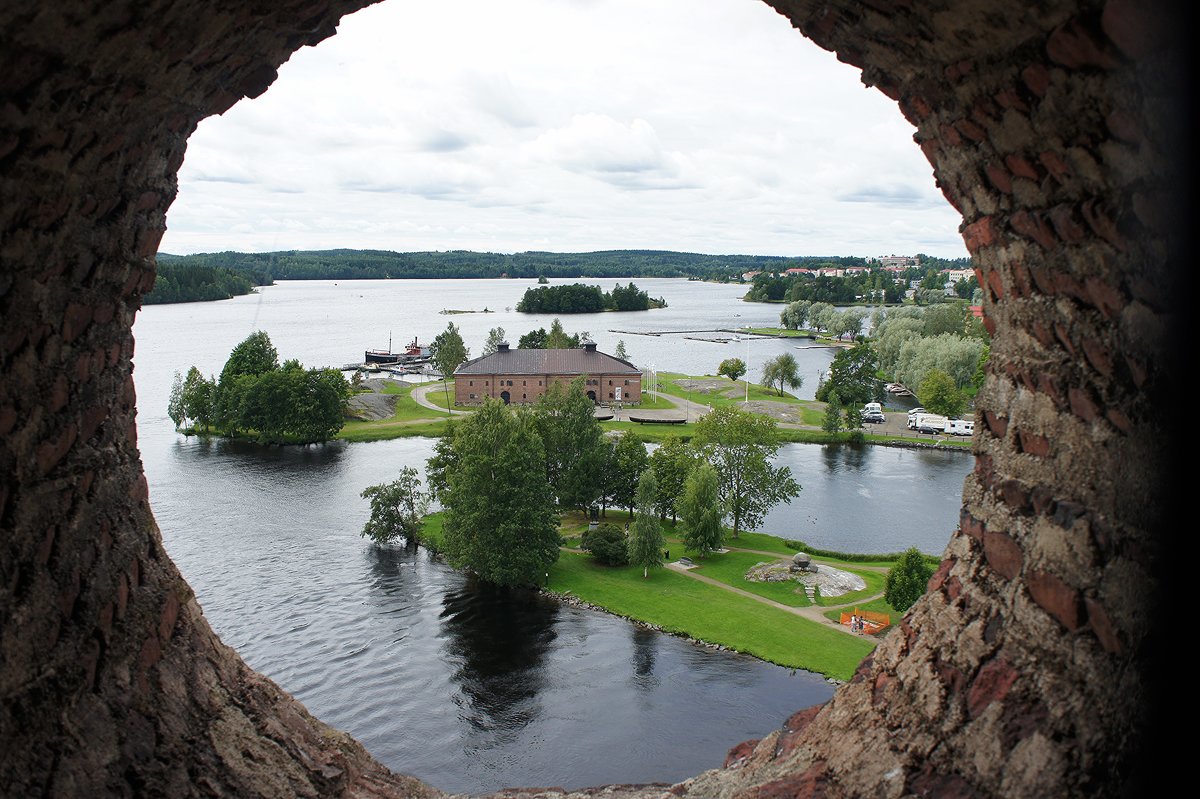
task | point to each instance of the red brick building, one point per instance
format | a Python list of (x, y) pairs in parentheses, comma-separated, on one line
[(520, 377)]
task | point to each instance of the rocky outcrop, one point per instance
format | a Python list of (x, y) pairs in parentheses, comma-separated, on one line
[(1026, 671)]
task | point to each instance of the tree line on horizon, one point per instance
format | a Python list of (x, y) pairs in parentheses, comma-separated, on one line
[(348, 264)]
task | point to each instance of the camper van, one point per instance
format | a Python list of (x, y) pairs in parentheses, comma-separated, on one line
[(960, 427)]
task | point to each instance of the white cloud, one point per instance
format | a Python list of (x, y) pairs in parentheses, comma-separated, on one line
[(592, 124)]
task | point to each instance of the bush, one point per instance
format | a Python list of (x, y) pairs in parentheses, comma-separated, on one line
[(607, 545), (907, 580)]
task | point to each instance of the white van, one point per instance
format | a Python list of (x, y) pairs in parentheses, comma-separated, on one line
[(872, 407), (960, 427)]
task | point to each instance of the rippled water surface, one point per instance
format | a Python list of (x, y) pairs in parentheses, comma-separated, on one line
[(468, 687)]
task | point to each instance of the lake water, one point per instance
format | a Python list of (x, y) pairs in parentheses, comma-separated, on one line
[(467, 687)]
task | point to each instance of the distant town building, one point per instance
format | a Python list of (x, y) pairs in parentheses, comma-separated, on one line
[(955, 275), (520, 377), (898, 262)]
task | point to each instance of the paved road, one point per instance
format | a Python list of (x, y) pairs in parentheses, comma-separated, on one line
[(418, 395), (693, 410)]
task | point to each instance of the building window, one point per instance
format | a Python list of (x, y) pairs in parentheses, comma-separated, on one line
[(610, 396), (626, 382), (472, 396), (524, 382), (471, 383), (523, 396)]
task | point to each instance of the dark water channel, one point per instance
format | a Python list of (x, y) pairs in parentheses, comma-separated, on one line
[(467, 687)]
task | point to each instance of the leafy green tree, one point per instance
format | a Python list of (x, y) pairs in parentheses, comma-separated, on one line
[(199, 399), (907, 580), (939, 394), (966, 288), (620, 352), (671, 463), (448, 351), (533, 340), (626, 463), (782, 369), (397, 509), (820, 315), (833, 414), (607, 544), (175, 404), (322, 404), (700, 511), (646, 538), (956, 355), (500, 518), (733, 368), (557, 338), (740, 445), (853, 376), (573, 444), (255, 355), (495, 338), (442, 463), (795, 314), (947, 317), (853, 417), (981, 367)]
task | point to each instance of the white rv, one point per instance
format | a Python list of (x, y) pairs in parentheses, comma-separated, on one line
[(930, 423), (960, 427)]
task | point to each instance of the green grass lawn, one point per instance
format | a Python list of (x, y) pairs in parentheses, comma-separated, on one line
[(668, 384), (651, 403), (437, 396), (687, 606), (731, 567), (781, 332)]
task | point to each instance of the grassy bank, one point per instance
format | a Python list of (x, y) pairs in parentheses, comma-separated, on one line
[(731, 567), (689, 607), (683, 605)]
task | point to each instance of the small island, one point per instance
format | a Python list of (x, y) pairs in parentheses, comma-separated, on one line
[(258, 399), (581, 298)]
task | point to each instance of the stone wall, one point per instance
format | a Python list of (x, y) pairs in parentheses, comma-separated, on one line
[(1027, 670)]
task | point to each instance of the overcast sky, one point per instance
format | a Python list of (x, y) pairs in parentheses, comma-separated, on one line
[(566, 125)]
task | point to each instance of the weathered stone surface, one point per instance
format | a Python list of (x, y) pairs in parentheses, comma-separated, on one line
[(1050, 127)]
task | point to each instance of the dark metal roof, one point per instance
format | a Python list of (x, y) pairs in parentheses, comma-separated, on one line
[(547, 362)]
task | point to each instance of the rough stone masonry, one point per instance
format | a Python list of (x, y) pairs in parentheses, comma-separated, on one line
[(1028, 670)]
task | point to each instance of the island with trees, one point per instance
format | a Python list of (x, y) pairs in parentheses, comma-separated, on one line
[(580, 298), (259, 399)]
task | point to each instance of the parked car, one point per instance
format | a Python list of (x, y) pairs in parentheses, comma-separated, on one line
[(874, 417)]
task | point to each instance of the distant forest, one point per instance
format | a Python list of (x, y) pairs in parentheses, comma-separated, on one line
[(183, 281), (368, 264)]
